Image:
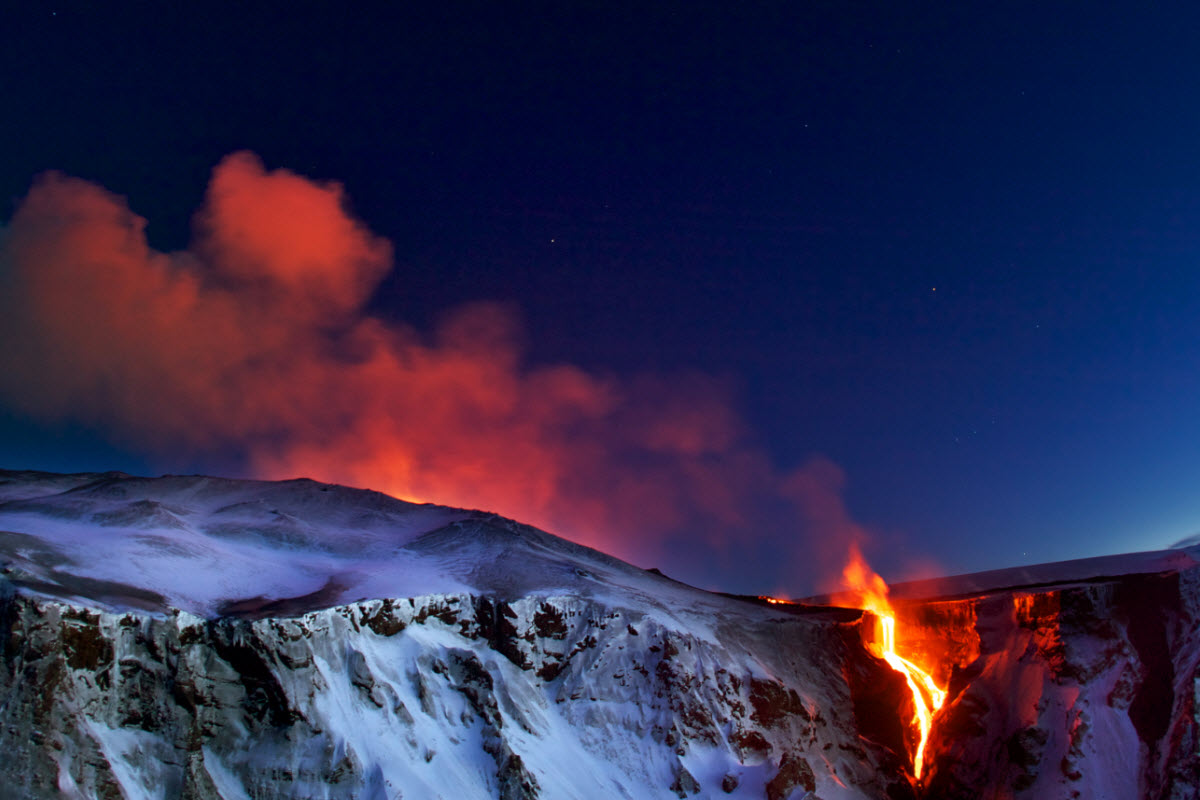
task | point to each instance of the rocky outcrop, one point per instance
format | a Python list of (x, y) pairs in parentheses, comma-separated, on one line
[(433, 696)]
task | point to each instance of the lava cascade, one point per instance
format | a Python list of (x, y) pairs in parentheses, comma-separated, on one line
[(870, 593)]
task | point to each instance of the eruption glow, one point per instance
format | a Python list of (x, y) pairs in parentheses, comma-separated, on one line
[(256, 351), (871, 594)]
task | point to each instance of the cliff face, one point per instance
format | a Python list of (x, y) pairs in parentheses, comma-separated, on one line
[(442, 696), (201, 638), (1085, 689)]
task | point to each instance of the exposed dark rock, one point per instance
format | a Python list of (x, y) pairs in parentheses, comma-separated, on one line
[(794, 772), (386, 620), (494, 622), (684, 784), (549, 670), (83, 644), (469, 677), (774, 703), (882, 702), (549, 623), (444, 611), (516, 782), (264, 698), (1141, 600), (750, 744), (1025, 749)]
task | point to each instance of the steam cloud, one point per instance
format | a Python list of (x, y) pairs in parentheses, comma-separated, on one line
[(255, 341)]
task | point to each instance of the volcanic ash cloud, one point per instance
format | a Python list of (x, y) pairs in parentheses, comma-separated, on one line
[(254, 344)]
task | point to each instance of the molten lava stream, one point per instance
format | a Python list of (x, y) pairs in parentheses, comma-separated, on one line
[(872, 595), (927, 697)]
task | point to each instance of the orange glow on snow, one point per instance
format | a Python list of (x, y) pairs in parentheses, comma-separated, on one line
[(870, 593)]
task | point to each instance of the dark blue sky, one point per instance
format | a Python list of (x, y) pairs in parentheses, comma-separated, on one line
[(953, 249)]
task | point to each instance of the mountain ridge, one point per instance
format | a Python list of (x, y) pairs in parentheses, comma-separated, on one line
[(215, 639)]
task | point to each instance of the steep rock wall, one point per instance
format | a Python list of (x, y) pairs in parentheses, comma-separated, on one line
[(440, 696), (1085, 690)]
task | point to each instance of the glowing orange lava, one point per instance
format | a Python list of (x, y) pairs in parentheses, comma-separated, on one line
[(871, 594)]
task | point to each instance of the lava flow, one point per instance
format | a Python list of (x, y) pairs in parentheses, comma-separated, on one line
[(871, 594)]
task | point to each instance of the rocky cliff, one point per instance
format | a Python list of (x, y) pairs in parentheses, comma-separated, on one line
[(1082, 688), (203, 638), (436, 696), (536, 668)]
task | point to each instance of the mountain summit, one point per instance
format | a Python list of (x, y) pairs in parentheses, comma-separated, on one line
[(217, 547)]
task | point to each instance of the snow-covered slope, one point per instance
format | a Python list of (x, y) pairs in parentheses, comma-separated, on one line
[(199, 637), (199, 544)]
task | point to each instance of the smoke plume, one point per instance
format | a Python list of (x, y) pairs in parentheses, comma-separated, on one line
[(254, 341)]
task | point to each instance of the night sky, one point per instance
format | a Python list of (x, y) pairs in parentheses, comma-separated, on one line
[(795, 274)]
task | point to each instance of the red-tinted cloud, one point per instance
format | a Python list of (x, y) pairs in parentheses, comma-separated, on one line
[(255, 341), (289, 239)]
